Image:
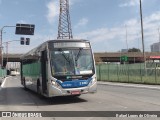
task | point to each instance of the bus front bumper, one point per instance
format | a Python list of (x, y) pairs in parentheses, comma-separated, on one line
[(55, 91)]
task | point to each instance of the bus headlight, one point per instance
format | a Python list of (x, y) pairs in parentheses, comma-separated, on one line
[(93, 80), (54, 83)]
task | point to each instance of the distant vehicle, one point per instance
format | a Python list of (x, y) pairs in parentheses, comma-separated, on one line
[(60, 68), (14, 73)]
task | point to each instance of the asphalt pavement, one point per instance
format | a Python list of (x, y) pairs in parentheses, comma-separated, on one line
[(109, 97)]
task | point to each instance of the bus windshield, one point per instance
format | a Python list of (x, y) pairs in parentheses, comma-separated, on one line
[(71, 62)]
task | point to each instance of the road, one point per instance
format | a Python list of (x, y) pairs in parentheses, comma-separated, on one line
[(13, 97)]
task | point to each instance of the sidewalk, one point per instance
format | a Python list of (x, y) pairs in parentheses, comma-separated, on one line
[(130, 85)]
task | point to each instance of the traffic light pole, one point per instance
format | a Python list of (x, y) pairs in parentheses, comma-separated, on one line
[(7, 48), (1, 36), (1, 40)]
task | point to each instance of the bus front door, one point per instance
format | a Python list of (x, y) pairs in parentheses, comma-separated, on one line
[(44, 71)]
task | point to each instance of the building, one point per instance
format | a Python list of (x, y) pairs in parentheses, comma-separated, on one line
[(155, 47), (124, 50)]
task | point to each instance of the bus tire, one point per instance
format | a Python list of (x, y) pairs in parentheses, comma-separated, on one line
[(24, 83), (38, 88), (74, 96)]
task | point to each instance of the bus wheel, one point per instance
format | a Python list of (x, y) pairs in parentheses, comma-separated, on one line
[(38, 88), (24, 83), (74, 96)]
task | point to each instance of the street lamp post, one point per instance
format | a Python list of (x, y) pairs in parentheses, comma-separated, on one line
[(1, 40), (159, 38), (126, 37), (141, 16)]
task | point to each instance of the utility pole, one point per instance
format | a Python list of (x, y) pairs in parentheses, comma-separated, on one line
[(143, 47), (159, 38), (126, 37), (64, 27)]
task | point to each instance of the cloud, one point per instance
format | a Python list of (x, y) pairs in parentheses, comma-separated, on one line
[(82, 22), (154, 17), (53, 10), (71, 2), (130, 3), (104, 34), (118, 33), (22, 22)]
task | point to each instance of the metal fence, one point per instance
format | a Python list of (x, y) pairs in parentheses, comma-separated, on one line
[(131, 73), (3, 74)]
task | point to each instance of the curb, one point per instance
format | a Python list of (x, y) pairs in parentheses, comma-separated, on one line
[(3, 82), (157, 87)]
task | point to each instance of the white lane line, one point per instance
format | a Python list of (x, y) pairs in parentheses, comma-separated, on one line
[(28, 103), (4, 81), (136, 86)]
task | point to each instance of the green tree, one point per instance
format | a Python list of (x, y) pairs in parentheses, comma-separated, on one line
[(134, 50)]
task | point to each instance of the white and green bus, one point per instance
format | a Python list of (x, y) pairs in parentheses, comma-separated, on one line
[(60, 68)]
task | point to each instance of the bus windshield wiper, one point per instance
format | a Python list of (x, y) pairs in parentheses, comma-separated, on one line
[(67, 58), (78, 55)]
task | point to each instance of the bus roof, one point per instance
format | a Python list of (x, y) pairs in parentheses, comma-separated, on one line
[(68, 40), (30, 53)]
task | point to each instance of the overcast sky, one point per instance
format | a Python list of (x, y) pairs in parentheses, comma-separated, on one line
[(103, 22)]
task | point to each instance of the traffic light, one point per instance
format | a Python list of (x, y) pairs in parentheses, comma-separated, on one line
[(22, 41), (27, 41)]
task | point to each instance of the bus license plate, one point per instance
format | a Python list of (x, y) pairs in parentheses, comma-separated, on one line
[(75, 92)]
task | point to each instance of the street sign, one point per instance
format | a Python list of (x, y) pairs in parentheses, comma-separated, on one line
[(25, 29), (124, 58)]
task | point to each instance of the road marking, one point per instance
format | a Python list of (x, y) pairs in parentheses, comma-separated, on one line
[(4, 81), (28, 103), (130, 85)]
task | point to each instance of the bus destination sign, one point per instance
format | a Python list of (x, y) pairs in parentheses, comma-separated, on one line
[(71, 44)]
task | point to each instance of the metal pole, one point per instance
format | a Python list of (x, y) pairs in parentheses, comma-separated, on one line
[(1, 40), (144, 56), (127, 41), (126, 37), (7, 52), (159, 38), (1, 47)]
